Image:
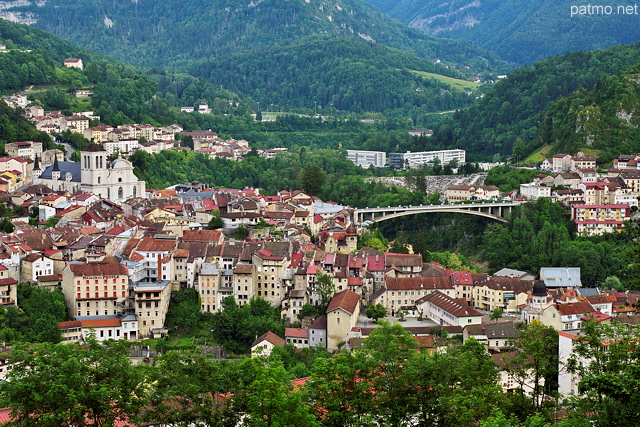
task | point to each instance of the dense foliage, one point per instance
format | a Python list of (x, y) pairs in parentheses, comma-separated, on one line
[(37, 318), (507, 178), (541, 234), (351, 75), (386, 382), (236, 327), (514, 108), (521, 32)]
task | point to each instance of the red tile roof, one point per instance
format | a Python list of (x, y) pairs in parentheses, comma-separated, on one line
[(456, 307), (296, 333), (346, 300), (98, 269), (269, 337)]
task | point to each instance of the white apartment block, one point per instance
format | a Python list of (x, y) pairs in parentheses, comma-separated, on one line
[(411, 160), (365, 159)]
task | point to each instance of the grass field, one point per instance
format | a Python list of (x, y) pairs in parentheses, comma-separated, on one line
[(538, 156), (454, 83)]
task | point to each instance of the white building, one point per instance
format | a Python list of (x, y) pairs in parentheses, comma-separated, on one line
[(411, 160), (364, 159), (532, 191)]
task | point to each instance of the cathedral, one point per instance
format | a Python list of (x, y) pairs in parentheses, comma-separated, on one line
[(114, 181)]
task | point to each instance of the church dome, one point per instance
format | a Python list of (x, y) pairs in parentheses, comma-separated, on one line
[(539, 289), (121, 163)]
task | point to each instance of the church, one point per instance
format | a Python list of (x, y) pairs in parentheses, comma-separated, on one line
[(114, 181)]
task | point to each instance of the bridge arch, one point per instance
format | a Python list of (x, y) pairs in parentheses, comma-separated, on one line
[(385, 217), (496, 211)]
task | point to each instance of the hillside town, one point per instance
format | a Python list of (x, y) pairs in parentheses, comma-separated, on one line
[(117, 251)]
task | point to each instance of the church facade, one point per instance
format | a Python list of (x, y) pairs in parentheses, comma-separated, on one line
[(114, 181)]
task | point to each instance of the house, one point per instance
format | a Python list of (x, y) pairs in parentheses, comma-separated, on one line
[(546, 165), (407, 293), (594, 220), (318, 332), (582, 162), (342, 316), (207, 285), (445, 310), (510, 382), (265, 343), (505, 293), (73, 63), (561, 163), (34, 266), (567, 316), (151, 302), (297, 336), (533, 191), (500, 335), (95, 289)]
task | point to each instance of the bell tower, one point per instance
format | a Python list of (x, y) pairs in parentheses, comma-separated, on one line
[(93, 165)]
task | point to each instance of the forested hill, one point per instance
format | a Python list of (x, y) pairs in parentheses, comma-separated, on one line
[(520, 31), (606, 118), (174, 33), (515, 106), (353, 75)]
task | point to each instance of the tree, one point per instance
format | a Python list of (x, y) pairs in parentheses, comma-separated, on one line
[(325, 288), (267, 398), (376, 311), (54, 385), (216, 221), (184, 390), (612, 282), (496, 314), (236, 327), (51, 222), (389, 346), (605, 358), (242, 233), (536, 361), (311, 179), (186, 141), (258, 116)]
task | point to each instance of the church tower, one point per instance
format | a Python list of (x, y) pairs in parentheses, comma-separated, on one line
[(93, 166), (55, 172), (36, 169), (539, 295)]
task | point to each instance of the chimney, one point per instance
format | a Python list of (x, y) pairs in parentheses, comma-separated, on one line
[(159, 267)]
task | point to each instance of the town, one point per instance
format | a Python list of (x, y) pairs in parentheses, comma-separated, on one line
[(118, 251)]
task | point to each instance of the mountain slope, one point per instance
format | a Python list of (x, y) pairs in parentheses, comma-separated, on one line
[(520, 31), (606, 118), (349, 74), (515, 106), (175, 32)]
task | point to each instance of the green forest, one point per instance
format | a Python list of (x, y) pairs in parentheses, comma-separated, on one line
[(144, 32), (350, 75), (515, 107)]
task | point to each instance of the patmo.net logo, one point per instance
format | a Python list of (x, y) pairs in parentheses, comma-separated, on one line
[(606, 10)]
